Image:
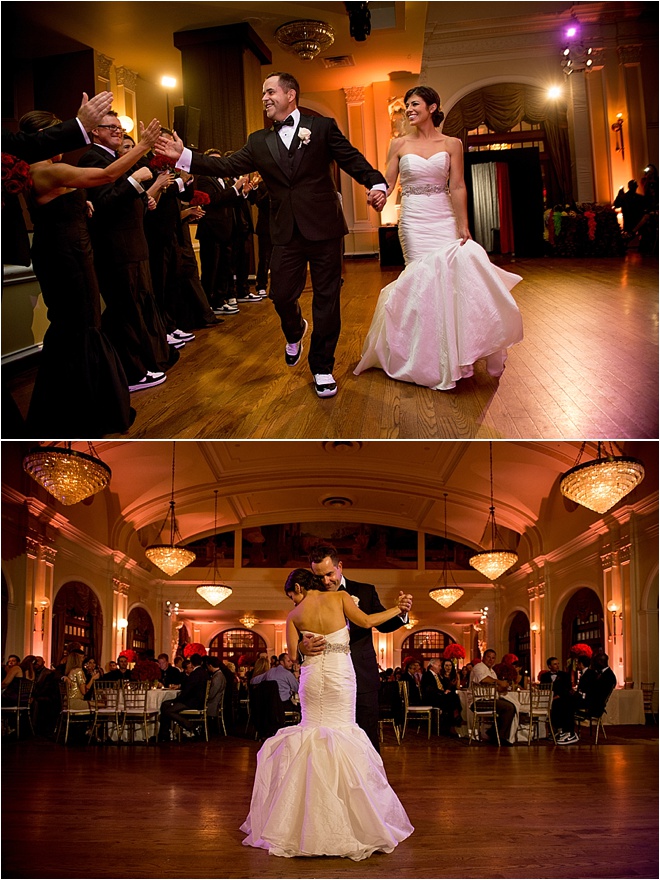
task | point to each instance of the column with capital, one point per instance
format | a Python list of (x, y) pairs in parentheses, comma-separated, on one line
[(38, 596), (361, 220), (119, 613)]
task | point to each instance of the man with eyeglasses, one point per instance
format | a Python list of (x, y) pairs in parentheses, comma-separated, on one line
[(131, 318)]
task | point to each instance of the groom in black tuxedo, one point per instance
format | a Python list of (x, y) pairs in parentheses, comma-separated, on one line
[(325, 563), (295, 159)]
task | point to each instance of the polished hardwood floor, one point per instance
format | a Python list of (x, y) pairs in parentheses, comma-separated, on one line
[(587, 368), (174, 811)]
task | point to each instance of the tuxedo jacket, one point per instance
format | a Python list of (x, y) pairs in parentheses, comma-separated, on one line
[(302, 191), (218, 220), (431, 691), (117, 225), (164, 225), (562, 683), (193, 688), (597, 687), (363, 653)]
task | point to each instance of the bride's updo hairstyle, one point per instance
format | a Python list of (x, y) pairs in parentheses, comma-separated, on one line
[(429, 96), (36, 120), (305, 578)]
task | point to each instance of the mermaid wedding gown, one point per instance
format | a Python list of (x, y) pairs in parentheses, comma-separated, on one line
[(320, 787), (450, 306)]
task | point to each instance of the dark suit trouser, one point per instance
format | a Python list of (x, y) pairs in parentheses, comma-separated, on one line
[(288, 273), (169, 712), (506, 712), (215, 257), (366, 715), (265, 250)]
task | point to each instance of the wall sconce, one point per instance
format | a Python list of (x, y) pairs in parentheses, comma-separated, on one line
[(613, 608), (122, 626), (41, 608), (617, 128), (534, 628), (127, 124)]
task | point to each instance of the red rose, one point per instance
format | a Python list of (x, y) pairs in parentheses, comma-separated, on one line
[(194, 648), (200, 198), (160, 163), (16, 176)]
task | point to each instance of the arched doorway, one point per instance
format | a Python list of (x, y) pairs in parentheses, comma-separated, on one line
[(425, 644), (519, 639), (77, 619), (140, 633), (583, 621), (235, 643)]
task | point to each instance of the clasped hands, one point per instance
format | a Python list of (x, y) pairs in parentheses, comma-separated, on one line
[(376, 198)]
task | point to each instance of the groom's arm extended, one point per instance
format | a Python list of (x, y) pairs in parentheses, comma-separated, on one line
[(240, 162), (353, 162)]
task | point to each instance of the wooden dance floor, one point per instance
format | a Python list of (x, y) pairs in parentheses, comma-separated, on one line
[(587, 367), (174, 811)]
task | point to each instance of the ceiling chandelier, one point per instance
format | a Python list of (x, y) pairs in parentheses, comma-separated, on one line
[(68, 475), (442, 593), (172, 557), (601, 483), (305, 38), (248, 620), (494, 562), (214, 593)]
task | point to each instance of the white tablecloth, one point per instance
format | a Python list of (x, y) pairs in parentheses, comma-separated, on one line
[(155, 699), (517, 733), (625, 707)]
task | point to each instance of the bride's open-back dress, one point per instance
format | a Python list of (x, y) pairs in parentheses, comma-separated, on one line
[(450, 306), (320, 786)]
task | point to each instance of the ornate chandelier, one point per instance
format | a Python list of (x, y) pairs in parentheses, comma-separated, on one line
[(601, 483), (305, 38), (443, 594), (172, 557), (68, 475), (214, 593), (248, 620), (494, 562)]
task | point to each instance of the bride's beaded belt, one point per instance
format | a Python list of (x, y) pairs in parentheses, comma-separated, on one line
[(425, 189), (337, 649)]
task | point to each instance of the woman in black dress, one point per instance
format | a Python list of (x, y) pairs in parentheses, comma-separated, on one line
[(81, 389), (451, 702)]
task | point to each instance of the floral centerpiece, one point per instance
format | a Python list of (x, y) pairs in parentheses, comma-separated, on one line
[(194, 648), (130, 655), (506, 672), (454, 652), (147, 670), (510, 659), (581, 648), (16, 177)]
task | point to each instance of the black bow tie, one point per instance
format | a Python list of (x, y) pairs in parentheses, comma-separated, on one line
[(288, 121)]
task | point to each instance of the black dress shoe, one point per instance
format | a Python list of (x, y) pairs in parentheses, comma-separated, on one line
[(215, 321)]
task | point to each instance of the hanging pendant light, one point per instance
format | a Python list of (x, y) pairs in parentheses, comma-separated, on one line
[(172, 557), (248, 620), (601, 483), (68, 475), (214, 593), (494, 562), (442, 593)]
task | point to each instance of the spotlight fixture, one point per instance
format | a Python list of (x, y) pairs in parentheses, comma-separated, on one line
[(359, 18), (600, 484), (172, 557), (575, 55), (68, 475), (306, 39), (442, 593), (494, 562), (214, 593)]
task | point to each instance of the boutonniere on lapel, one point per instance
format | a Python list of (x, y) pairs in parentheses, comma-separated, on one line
[(305, 136), (356, 599)]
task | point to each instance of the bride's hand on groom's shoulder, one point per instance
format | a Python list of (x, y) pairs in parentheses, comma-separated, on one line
[(310, 645)]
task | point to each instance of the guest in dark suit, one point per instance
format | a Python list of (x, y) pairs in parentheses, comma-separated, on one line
[(325, 563), (295, 159), (412, 675), (561, 712), (192, 696), (431, 686), (594, 689), (131, 318), (170, 675)]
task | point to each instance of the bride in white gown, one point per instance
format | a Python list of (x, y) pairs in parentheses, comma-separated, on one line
[(451, 305), (320, 786)]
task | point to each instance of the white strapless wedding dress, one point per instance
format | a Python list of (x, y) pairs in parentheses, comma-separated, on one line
[(320, 787), (450, 306)]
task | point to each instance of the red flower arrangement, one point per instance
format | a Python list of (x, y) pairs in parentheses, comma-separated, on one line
[(130, 655), (160, 163), (16, 177), (454, 652), (505, 672), (510, 659), (581, 648), (200, 198), (194, 648), (147, 670)]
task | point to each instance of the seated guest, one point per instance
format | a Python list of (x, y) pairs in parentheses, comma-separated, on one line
[(192, 696), (110, 665), (273, 661), (451, 702), (78, 685), (412, 673), (561, 710), (593, 691), (483, 673), (121, 673), (261, 665), (187, 667), (218, 686), (465, 675), (287, 683), (89, 668), (15, 673), (170, 675), (12, 660), (178, 662), (45, 697), (430, 684)]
